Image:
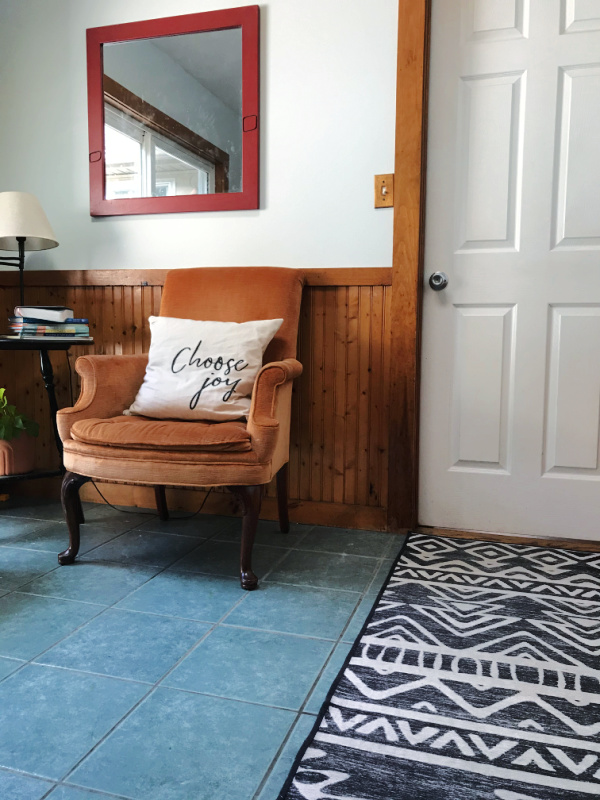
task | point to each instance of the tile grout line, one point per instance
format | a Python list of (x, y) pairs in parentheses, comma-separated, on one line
[(340, 638), (27, 662), (94, 792), (152, 688), (299, 713), (302, 711), (121, 720), (221, 622), (103, 608), (276, 757), (15, 589), (20, 546)]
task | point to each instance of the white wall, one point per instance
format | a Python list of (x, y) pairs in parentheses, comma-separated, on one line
[(328, 106)]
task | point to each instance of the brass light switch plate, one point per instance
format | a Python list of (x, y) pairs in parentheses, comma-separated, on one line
[(384, 191)]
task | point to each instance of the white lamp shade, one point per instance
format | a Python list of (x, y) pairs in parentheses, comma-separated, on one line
[(22, 215)]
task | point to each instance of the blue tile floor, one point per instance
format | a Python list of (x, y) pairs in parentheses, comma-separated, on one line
[(144, 672)]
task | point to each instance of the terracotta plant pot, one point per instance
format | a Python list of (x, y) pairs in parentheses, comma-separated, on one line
[(18, 455)]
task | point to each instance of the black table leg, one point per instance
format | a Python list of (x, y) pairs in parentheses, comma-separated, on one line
[(48, 376), (44, 348)]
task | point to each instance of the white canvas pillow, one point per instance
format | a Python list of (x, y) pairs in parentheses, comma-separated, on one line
[(199, 370)]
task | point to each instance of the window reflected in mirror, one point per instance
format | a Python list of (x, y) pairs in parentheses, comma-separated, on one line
[(140, 162), (180, 96)]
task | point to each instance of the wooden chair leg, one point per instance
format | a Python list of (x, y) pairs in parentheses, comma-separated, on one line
[(161, 503), (282, 499), (251, 497), (79, 510), (69, 495)]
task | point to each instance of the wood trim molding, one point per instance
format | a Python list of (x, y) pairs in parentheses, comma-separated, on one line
[(302, 511), (407, 266), (122, 99), (348, 276), (510, 538), (328, 276)]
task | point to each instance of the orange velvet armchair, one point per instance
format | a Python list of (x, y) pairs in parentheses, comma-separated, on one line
[(100, 443)]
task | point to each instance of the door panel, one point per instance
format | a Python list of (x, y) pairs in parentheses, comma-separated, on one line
[(482, 404), (495, 19), (580, 15), (490, 161), (510, 380), (572, 420), (576, 223)]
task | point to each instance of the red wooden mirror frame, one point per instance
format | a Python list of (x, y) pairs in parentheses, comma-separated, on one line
[(246, 18)]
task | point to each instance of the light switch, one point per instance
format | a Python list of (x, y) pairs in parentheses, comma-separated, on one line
[(384, 191)]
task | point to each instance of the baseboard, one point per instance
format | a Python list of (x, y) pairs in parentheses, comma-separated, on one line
[(513, 538), (310, 513)]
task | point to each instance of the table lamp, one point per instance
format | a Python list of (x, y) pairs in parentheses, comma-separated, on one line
[(23, 226)]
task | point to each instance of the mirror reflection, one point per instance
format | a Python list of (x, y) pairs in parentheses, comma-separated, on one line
[(173, 115)]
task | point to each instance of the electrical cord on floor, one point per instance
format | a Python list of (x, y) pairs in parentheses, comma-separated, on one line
[(70, 376), (151, 513)]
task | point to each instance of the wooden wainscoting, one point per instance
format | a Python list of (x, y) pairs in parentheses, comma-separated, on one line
[(340, 429)]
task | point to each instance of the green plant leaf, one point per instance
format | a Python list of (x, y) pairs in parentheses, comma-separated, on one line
[(32, 427), (12, 423)]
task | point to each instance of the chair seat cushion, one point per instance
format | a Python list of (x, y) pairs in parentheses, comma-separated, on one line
[(161, 434)]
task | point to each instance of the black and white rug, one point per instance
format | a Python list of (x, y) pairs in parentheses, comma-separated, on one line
[(476, 677)]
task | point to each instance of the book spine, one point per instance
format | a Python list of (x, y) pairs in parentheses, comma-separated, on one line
[(33, 321), (52, 335), (41, 329), (38, 319)]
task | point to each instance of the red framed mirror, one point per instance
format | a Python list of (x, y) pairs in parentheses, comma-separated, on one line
[(173, 111)]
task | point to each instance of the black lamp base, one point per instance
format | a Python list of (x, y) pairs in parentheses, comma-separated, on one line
[(19, 262)]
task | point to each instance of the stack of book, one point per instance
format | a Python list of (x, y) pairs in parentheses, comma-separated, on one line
[(47, 321)]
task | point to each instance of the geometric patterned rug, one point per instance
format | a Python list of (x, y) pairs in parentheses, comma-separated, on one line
[(475, 677)]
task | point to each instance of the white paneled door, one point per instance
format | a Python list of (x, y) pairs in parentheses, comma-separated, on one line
[(510, 408)]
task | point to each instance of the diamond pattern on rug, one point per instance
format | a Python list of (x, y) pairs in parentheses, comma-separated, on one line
[(476, 677)]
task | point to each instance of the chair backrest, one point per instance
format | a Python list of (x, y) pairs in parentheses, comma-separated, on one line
[(238, 294)]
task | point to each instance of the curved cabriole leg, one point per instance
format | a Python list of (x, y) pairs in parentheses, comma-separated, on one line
[(282, 499), (251, 497), (161, 503), (79, 509), (69, 495)]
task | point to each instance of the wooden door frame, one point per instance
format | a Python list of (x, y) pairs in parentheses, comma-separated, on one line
[(414, 18)]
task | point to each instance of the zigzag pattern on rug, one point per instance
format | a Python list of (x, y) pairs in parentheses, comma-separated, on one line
[(476, 677)]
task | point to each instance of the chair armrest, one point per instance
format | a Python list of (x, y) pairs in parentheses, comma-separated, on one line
[(266, 411), (264, 395), (109, 385)]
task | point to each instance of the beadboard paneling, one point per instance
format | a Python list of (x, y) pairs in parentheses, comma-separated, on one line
[(340, 414)]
